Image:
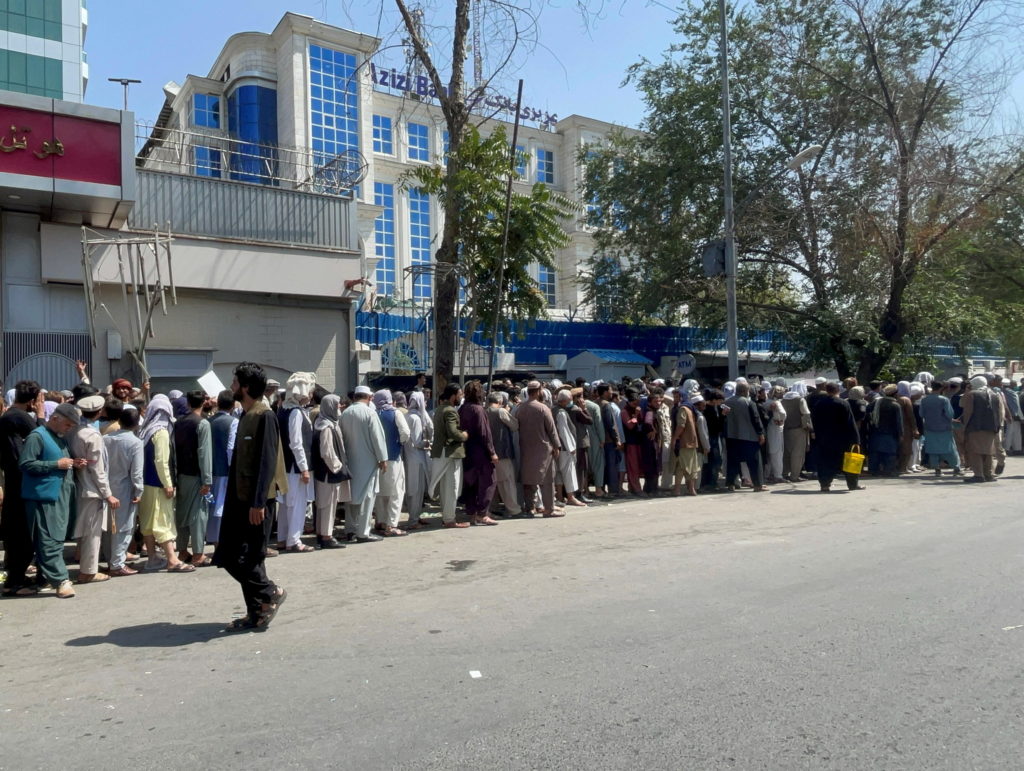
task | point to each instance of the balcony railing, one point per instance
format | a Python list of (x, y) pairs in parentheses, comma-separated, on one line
[(203, 206), (213, 154)]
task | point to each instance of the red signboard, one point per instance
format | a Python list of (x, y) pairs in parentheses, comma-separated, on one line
[(43, 144)]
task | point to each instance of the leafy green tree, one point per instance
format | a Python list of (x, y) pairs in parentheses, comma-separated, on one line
[(536, 232), (511, 31), (894, 93)]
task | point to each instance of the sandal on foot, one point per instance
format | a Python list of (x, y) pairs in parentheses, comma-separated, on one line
[(182, 567), (21, 591), (393, 532), (268, 615), (554, 514), (202, 563), (330, 543), (244, 624), (299, 548)]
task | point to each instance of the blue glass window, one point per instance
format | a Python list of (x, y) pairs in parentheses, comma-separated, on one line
[(419, 242), (383, 139), (546, 166), (446, 144), (334, 103), (206, 110), (546, 283), (521, 160), (252, 118), (207, 161), (419, 142), (384, 237)]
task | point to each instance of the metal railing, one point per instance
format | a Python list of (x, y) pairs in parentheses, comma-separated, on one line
[(213, 154), (201, 206)]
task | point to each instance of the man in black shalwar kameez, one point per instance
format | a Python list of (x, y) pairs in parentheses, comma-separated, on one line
[(835, 432), (256, 476)]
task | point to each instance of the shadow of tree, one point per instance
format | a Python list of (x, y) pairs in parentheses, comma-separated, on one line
[(158, 635)]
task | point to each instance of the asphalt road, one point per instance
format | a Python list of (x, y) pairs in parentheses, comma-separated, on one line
[(881, 629)]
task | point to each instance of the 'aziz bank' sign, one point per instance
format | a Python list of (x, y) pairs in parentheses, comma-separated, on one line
[(421, 86)]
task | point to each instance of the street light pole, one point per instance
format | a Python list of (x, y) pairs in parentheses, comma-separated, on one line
[(732, 337)]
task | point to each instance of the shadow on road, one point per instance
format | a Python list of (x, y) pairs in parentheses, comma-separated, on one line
[(159, 635)]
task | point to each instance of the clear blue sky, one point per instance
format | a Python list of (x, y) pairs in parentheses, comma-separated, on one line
[(576, 68)]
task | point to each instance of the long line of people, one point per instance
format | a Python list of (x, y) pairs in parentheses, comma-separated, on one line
[(126, 476)]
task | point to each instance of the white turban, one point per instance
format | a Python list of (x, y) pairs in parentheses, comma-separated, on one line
[(299, 389), (979, 382)]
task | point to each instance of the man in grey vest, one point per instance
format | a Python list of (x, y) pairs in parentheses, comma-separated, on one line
[(193, 451), (223, 429), (984, 413)]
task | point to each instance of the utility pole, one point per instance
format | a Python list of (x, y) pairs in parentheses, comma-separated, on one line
[(732, 336)]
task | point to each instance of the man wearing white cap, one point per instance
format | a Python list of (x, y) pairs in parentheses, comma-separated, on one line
[(367, 458), (93, 493), (296, 431)]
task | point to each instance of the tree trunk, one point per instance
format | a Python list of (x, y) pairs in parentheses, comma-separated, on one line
[(456, 114)]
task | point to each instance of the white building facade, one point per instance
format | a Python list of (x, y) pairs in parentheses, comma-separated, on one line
[(313, 91)]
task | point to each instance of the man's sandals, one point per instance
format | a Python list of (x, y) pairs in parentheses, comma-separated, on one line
[(261, 621)]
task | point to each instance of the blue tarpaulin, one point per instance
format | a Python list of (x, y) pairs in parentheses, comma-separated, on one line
[(544, 338)]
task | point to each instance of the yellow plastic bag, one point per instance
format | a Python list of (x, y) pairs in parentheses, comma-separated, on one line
[(853, 461)]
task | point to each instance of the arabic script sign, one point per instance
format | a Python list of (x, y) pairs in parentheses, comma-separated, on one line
[(13, 142), (420, 85), (45, 144)]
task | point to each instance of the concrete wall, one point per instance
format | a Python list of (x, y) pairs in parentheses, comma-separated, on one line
[(284, 335), (212, 264)]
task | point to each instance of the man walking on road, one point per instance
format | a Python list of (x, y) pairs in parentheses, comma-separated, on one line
[(256, 476)]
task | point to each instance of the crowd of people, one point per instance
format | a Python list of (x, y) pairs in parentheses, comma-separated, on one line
[(150, 483)]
